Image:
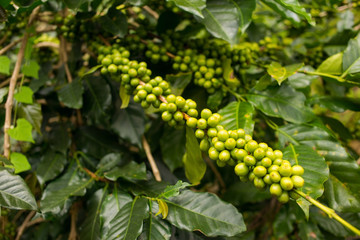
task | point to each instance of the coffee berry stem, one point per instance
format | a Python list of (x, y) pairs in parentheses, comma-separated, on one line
[(330, 212)]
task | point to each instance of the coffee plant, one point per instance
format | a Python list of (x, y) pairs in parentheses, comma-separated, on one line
[(175, 119)]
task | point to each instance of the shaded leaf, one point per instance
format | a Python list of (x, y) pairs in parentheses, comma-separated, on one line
[(155, 229), (74, 4), (50, 166), (179, 82), (90, 228), (194, 164), (337, 104), (302, 80), (3, 92), (172, 145), (109, 161), (32, 113), (20, 162), (14, 193), (329, 224), (22, 131), (310, 231), (114, 23), (59, 139), (283, 102), (206, 213), (128, 222), (238, 115), (25, 95), (54, 200), (131, 171), (71, 94), (129, 123)]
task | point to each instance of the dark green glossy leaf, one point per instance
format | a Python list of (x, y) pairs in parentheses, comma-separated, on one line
[(283, 102), (74, 4), (54, 200), (351, 56), (111, 206), (194, 164), (238, 115), (90, 228), (192, 6), (206, 213), (241, 193), (131, 172), (316, 171), (337, 104), (71, 94), (302, 80), (129, 123), (330, 225), (310, 231), (25, 95), (116, 24), (14, 193), (173, 148), (22, 131), (342, 189), (179, 82), (173, 190), (128, 222), (283, 223), (32, 113), (50, 166), (59, 139), (155, 229), (214, 100)]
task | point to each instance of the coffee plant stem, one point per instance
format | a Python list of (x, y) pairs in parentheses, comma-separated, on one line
[(340, 79), (151, 159), (238, 96), (330, 212)]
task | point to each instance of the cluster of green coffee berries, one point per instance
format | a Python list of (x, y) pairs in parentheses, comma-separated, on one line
[(9, 231), (156, 53), (244, 54)]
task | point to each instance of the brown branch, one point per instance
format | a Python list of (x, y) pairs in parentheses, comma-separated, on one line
[(35, 221), (10, 45), (23, 226), (74, 212), (7, 81), (94, 176), (151, 12), (106, 42), (13, 79), (3, 39), (151, 160), (64, 58), (47, 45), (216, 172)]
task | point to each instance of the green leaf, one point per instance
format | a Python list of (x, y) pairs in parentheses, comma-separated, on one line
[(206, 213), (74, 4), (329, 224), (32, 113), (332, 65), (173, 190), (214, 100), (294, 6), (128, 222), (31, 69), (50, 166), (92, 70), (337, 104), (241, 193), (191, 6), (179, 82), (283, 12), (172, 144), (3, 93), (109, 161), (114, 23), (125, 98), (25, 95), (54, 200), (283, 102), (238, 115), (310, 231), (91, 228), (342, 190), (280, 73), (71, 94), (20, 162), (129, 123), (111, 206), (155, 229), (351, 57), (315, 174), (14, 193), (22, 131), (228, 74), (131, 172), (221, 19), (194, 164), (59, 139), (283, 223), (346, 21), (301, 80), (5, 65)]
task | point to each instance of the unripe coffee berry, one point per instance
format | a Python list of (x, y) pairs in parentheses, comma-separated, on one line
[(224, 155), (223, 135), (297, 170), (191, 122), (297, 181), (206, 113), (230, 143), (201, 123), (241, 169), (275, 189), (260, 171), (286, 183), (199, 133)]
